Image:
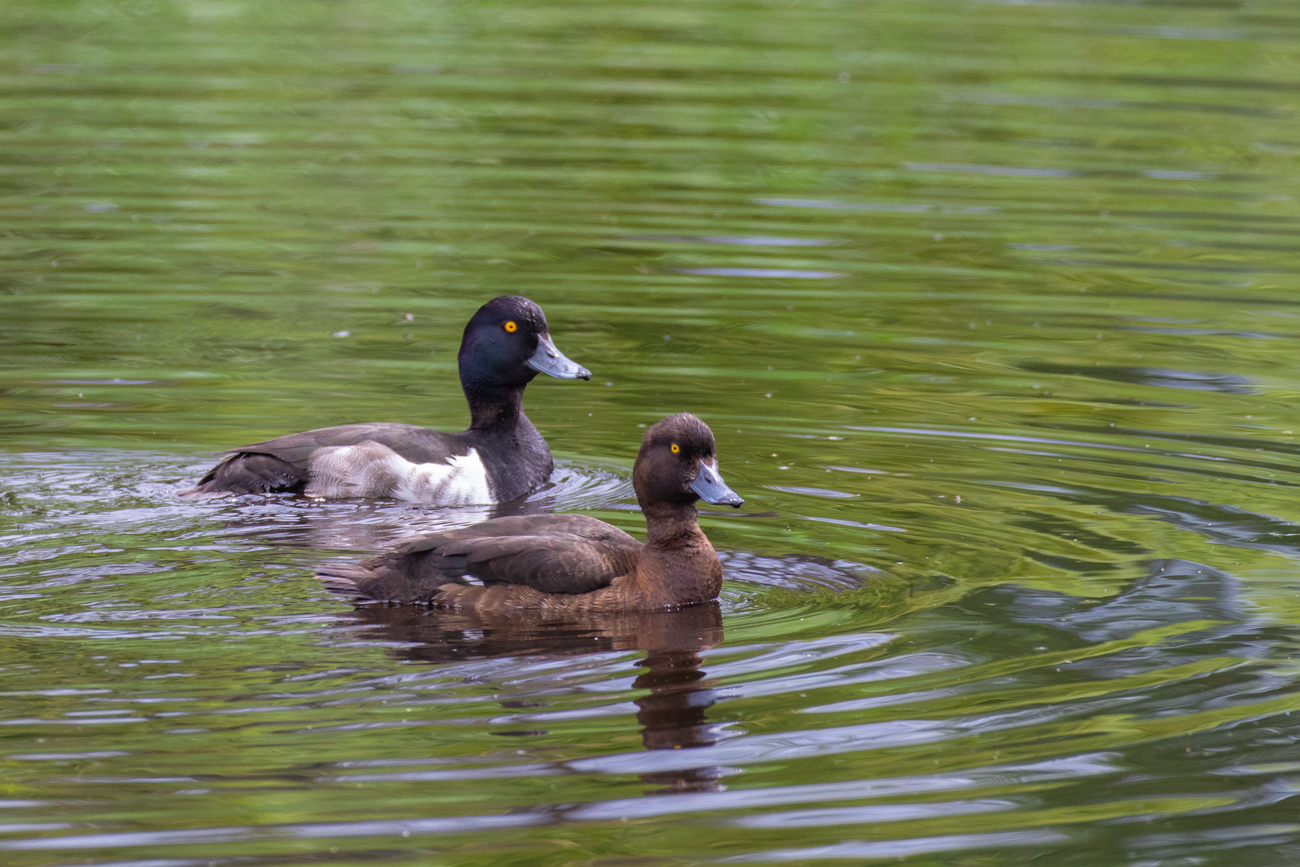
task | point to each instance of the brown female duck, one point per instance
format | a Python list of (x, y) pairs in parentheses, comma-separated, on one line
[(572, 562)]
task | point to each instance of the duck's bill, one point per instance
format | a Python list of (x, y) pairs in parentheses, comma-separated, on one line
[(712, 489), (549, 360)]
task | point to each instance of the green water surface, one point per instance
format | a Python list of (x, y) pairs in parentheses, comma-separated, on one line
[(991, 306)]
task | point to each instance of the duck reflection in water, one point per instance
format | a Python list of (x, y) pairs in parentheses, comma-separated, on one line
[(569, 584), (675, 693)]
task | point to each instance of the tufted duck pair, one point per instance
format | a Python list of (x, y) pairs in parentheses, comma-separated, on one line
[(559, 562)]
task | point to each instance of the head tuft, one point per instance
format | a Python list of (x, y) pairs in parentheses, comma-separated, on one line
[(514, 308), (692, 435), (496, 346)]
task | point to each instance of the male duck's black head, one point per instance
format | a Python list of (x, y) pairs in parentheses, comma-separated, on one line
[(678, 464), (506, 344)]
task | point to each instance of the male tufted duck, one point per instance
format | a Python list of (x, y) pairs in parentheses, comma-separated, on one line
[(571, 562), (501, 456)]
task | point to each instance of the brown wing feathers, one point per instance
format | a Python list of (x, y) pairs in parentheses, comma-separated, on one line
[(556, 563), (550, 553)]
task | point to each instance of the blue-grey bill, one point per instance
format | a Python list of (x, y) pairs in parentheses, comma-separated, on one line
[(547, 359), (712, 489)]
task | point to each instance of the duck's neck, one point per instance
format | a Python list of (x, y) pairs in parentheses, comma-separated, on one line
[(516, 456), (671, 525), (678, 565), (495, 409)]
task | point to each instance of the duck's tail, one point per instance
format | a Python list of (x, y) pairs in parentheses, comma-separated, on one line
[(342, 577)]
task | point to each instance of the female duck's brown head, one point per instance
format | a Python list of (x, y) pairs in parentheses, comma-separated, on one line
[(678, 465)]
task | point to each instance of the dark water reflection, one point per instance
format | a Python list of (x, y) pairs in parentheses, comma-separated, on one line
[(677, 693), (435, 636)]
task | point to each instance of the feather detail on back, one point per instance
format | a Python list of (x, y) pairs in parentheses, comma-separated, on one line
[(564, 554), (416, 444), (252, 474), (282, 464)]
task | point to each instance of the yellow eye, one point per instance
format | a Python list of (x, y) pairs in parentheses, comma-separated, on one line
[(511, 327), (676, 448)]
